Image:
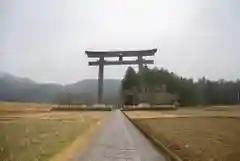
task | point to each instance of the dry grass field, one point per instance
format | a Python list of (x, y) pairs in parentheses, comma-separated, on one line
[(32, 132), (203, 134)]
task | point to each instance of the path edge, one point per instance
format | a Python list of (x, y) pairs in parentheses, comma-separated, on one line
[(159, 145)]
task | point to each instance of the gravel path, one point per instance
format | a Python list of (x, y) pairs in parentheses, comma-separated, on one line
[(119, 140)]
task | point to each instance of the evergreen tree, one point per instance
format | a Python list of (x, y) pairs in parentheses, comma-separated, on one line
[(131, 80)]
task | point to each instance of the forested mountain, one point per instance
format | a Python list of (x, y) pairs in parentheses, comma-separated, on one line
[(190, 92), (25, 90)]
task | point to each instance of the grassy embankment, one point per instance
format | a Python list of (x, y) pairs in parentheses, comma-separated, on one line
[(206, 134)]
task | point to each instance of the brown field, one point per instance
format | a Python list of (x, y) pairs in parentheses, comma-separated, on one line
[(32, 132), (203, 134)]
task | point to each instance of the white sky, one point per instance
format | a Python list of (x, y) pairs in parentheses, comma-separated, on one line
[(45, 40)]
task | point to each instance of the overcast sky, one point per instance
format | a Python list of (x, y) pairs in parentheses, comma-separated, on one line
[(45, 40)]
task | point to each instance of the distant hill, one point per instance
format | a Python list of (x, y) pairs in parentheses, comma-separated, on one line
[(87, 89), (14, 88)]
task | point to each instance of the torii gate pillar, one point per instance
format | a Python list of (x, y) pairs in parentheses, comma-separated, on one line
[(100, 79), (120, 54)]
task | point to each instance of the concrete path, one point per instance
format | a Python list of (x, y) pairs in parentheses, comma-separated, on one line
[(119, 140)]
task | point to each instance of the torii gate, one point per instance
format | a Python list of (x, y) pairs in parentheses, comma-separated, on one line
[(120, 54)]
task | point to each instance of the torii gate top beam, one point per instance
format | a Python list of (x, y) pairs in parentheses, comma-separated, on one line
[(97, 54)]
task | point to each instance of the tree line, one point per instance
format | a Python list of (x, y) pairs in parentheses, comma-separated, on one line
[(190, 92)]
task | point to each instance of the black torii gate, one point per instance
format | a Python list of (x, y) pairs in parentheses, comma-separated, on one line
[(139, 54)]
